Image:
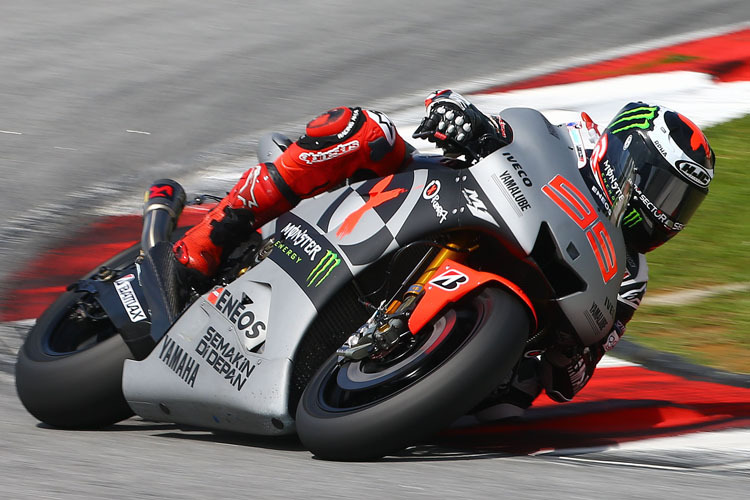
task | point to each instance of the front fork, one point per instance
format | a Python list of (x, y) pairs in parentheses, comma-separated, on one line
[(388, 325), (457, 250)]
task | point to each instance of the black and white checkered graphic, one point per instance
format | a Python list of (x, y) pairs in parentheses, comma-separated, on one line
[(375, 228)]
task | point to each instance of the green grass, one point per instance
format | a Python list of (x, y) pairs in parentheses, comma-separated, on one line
[(713, 249), (710, 332)]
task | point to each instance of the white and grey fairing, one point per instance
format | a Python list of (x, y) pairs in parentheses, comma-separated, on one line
[(232, 360)]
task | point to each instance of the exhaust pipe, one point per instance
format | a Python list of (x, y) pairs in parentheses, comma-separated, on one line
[(162, 205)]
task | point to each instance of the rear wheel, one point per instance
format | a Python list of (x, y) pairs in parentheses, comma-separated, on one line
[(69, 370), (366, 409)]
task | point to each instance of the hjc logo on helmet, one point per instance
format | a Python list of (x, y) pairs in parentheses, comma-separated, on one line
[(694, 172)]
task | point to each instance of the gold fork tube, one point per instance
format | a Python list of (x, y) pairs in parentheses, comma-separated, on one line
[(459, 247)]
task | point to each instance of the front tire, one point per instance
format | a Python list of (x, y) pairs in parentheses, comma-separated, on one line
[(69, 372), (365, 410)]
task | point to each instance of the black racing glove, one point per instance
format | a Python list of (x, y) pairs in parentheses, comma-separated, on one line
[(458, 127)]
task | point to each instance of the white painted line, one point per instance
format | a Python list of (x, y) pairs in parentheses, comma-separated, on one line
[(11, 132), (408, 487), (717, 450), (65, 149), (627, 464), (137, 132), (684, 297), (20, 322), (609, 361), (736, 440)]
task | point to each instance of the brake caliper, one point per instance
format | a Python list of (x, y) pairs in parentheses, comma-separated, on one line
[(382, 333)]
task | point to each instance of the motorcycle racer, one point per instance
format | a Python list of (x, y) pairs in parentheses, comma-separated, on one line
[(671, 157)]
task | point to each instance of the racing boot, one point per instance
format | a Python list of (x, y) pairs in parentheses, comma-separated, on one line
[(254, 200), (341, 143)]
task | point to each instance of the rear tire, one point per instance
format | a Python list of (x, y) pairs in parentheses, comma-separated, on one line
[(69, 372), (363, 411)]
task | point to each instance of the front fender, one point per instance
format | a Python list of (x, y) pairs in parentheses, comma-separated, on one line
[(450, 283)]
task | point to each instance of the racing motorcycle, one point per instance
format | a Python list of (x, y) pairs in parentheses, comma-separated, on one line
[(364, 320)]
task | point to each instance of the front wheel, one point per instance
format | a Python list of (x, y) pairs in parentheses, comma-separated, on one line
[(366, 409)]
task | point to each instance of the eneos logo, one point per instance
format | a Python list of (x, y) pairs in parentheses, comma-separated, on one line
[(235, 310)]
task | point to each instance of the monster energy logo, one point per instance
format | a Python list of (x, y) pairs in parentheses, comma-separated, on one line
[(632, 218), (641, 117), (327, 264)]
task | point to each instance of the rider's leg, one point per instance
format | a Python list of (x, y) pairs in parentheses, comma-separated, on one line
[(336, 145)]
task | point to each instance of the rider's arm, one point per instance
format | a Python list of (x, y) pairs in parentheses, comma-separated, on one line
[(567, 370)]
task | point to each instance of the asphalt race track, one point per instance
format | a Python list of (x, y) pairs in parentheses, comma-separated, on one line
[(98, 98)]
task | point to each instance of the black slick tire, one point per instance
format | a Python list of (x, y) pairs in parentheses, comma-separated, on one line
[(419, 408), (77, 389)]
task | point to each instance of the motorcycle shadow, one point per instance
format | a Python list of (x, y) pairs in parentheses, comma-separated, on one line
[(130, 425), (181, 432), (279, 443), (592, 425), (588, 425)]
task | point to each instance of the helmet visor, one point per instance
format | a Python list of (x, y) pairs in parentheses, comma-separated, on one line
[(615, 172), (670, 199)]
